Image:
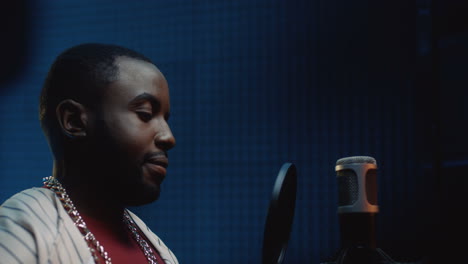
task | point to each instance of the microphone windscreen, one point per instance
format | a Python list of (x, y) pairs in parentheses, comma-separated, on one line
[(356, 159), (357, 184)]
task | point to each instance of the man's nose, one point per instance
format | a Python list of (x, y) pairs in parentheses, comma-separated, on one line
[(164, 139)]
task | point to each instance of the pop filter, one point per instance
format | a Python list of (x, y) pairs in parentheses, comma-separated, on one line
[(280, 215)]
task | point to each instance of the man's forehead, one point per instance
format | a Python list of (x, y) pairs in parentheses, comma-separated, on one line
[(133, 68), (136, 78)]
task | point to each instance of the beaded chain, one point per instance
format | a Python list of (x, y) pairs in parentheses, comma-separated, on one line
[(141, 242), (93, 244)]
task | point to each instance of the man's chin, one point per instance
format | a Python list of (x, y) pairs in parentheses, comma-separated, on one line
[(142, 196)]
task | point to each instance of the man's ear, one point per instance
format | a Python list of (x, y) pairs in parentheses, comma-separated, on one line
[(73, 118)]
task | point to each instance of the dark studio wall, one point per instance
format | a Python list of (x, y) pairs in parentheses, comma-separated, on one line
[(257, 83), (449, 28)]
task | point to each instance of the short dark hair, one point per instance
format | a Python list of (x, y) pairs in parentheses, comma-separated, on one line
[(79, 73)]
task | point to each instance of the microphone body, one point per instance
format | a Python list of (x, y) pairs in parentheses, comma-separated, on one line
[(357, 200), (357, 209)]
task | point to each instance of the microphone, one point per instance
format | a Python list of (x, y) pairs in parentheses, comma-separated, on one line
[(357, 200), (357, 209)]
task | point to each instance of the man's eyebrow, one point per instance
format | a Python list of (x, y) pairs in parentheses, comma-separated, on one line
[(146, 97)]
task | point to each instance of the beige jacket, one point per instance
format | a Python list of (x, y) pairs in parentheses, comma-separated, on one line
[(34, 228)]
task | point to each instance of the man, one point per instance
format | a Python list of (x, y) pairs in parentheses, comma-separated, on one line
[(104, 111)]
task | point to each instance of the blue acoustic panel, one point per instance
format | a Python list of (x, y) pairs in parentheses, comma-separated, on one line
[(253, 84)]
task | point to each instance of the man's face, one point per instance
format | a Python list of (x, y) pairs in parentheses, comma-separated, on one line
[(131, 132)]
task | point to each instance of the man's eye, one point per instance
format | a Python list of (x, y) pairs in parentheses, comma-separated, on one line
[(145, 116)]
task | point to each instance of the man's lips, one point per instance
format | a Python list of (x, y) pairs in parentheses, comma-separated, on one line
[(157, 166), (158, 160)]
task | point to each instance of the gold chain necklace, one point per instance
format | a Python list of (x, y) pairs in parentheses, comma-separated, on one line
[(93, 244)]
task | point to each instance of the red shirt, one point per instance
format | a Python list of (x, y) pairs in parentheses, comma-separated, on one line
[(122, 248)]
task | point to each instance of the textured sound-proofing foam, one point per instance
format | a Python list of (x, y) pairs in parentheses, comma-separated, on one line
[(348, 187)]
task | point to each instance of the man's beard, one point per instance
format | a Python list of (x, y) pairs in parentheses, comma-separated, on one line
[(136, 192), (122, 178)]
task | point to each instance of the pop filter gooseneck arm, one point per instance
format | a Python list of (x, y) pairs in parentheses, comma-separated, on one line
[(280, 216)]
